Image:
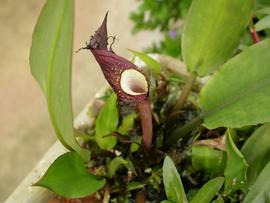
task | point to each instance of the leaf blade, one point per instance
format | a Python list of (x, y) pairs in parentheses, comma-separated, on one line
[(209, 160), (172, 182), (233, 101), (263, 24), (208, 191), (50, 62), (258, 158), (117, 163), (106, 123), (260, 191), (68, 177), (150, 62), (236, 167), (212, 32)]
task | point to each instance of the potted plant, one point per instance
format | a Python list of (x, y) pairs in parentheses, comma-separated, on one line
[(157, 135)]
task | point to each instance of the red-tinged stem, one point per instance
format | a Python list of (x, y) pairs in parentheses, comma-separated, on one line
[(255, 35), (145, 113), (140, 197)]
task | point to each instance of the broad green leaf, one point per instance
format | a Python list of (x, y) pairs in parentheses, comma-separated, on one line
[(256, 150), (260, 191), (263, 23), (68, 177), (150, 62), (167, 201), (209, 160), (212, 32), (236, 167), (127, 123), (50, 61), (117, 163), (106, 123), (208, 191), (172, 182), (238, 94)]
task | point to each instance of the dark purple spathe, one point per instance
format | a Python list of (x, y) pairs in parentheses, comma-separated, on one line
[(112, 67), (111, 64)]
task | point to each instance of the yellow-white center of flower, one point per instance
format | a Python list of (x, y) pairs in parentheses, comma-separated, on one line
[(133, 82)]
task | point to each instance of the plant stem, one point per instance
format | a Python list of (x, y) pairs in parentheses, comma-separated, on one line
[(255, 36), (185, 92), (145, 113), (183, 131), (140, 197), (106, 196), (254, 33)]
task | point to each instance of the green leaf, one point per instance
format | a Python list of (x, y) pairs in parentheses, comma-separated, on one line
[(117, 163), (263, 3), (134, 186), (68, 177), (127, 123), (236, 167), (136, 144), (263, 23), (150, 62), (167, 201), (50, 61), (212, 32), (264, 11), (208, 191), (258, 158), (260, 191), (233, 101), (106, 123), (209, 160), (220, 200), (172, 182)]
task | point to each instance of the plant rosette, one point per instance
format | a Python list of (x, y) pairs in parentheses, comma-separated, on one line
[(156, 135), (85, 120)]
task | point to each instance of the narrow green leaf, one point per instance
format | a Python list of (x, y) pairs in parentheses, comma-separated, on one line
[(263, 23), (256, 151), (127, 123), (233, 101), (106, 123), (209, 160), (117, 163), (220, 200), (50, 61), (135, 186), (260, 191), (68, 177), (172, 182), (150, 62), (236, 167), (212, 32), (263, 11), (208, 191)]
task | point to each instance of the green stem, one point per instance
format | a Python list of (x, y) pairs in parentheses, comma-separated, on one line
[(183, 131), (185, 92)]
